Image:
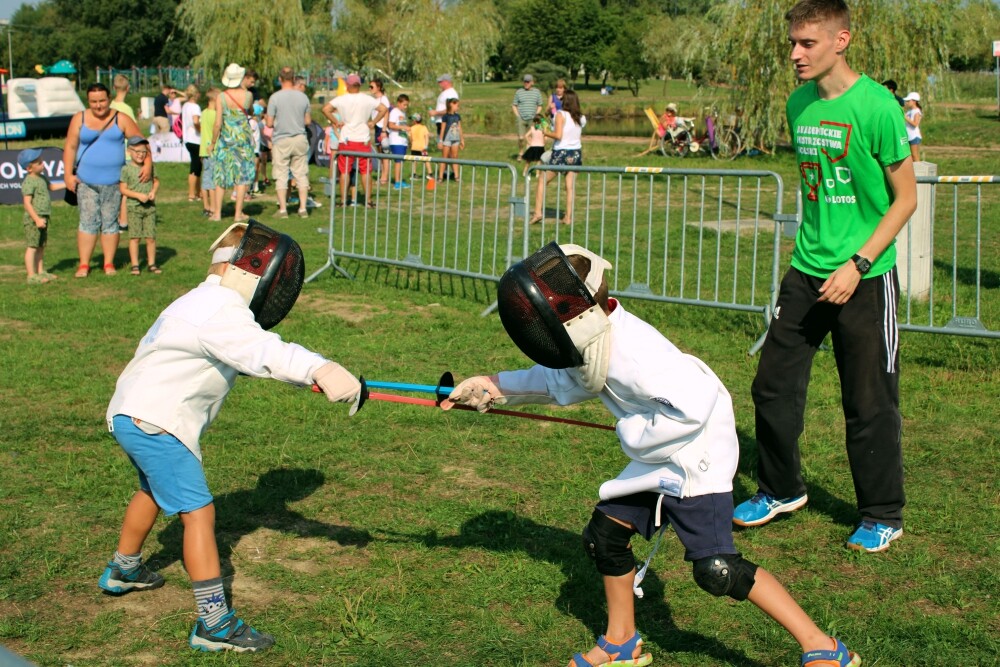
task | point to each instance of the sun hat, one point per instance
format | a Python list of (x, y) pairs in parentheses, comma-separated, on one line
[(417, 118), (137, 140), (27, 156), (353, 80), (444, 77), (912, 96), (233, 76), (527, 78), (672, 107)]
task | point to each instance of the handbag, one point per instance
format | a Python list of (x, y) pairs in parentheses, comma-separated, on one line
[(70, 196)]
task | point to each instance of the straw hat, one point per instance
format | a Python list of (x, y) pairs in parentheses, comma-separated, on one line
[(233, 76)]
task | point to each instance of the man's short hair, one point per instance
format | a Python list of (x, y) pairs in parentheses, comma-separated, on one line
[(402, 97), (820, 11), (286, 74), (121, 82), (300, 81)]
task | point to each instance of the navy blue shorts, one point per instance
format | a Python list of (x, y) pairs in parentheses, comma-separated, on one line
[(704, 524)]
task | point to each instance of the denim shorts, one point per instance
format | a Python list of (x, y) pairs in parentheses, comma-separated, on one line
[(167, 469), (704, 524), (99, 206), (207, 174)]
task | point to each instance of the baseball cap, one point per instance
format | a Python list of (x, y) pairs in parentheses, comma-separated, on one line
[(27, 156), (528, 78), (444, 77), (672, 107), (353, 80), (137, 140), (912, 96)]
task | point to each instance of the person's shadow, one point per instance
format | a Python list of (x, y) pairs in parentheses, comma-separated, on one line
[(582, 593), (239, 513)]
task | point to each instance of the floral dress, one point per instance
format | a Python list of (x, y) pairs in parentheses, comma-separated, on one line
[(235, 163)]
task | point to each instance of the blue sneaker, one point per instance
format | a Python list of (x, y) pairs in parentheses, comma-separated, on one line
[(873, 537), (116, 582), (762, 508), (839, 656), (231, 634), (400, 185)]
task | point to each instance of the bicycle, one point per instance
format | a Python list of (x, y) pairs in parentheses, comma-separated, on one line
[(724, 137), (680, 141)]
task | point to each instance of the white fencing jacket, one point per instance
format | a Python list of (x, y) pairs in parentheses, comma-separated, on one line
[(188, 361), (675, 418)]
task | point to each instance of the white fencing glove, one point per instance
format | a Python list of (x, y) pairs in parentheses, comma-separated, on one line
[(338, 384), (480, 392)]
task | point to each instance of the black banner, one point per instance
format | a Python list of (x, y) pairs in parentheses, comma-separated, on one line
[(11, 174)]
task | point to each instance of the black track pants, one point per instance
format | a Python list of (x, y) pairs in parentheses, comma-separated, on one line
[(866, 348)]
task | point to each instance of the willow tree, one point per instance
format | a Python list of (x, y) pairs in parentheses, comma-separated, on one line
[(416, 39), (263, 34), (903, 40)]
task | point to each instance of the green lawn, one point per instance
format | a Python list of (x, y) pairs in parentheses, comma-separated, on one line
[(405, 535)]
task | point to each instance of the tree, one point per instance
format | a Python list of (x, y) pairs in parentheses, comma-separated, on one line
[(263, 34), (570, 33), (900, 39), (624, 57), (976, 25)]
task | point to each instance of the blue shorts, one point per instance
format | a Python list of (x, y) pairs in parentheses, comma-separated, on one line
[(397, 150), (167, 469), (207, 173), (704, 524), (100, 206), (916, 142)]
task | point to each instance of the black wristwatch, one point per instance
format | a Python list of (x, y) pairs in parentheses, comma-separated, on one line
[(864, 265)]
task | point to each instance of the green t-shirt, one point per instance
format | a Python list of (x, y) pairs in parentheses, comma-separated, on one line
[(843, 146), (37, 188), (130, 177), (207, 126)]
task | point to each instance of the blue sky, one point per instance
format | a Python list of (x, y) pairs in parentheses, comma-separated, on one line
[(8, 7)]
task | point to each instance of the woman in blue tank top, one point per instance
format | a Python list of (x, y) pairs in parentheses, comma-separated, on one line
[(95, 144)]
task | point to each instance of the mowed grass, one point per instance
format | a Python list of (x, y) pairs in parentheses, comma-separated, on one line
[(405, 535)]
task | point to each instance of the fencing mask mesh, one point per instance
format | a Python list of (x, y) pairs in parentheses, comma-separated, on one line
[(552, 316), (268, 269)]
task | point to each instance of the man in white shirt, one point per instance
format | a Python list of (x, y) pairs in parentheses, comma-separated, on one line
[(448, 92), (354, 124)]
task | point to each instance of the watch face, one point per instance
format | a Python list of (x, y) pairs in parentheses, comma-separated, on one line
[(864, 266)]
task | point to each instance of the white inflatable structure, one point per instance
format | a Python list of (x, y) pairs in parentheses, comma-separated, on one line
[(41, 98)]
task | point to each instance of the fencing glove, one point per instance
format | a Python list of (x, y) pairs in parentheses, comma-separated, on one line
[(338, 385), (480, 392)]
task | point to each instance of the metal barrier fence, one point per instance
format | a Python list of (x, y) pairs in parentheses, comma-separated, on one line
[(702, 237), (946, 287), (463, 227)]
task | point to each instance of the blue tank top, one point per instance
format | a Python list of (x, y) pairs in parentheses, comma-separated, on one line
[(103, 161)]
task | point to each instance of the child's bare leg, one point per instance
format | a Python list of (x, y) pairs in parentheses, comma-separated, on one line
[(201, 554), (150, 251), (30, 260), (133, 252), (40, 260), (772, 598), (621, 616), (139, 519)]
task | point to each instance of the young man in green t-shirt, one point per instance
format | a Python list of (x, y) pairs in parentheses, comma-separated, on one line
[(858, 192)]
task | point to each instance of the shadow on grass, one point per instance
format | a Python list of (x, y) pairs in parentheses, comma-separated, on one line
[(122, 261), (240, 513), (582, 594), (969, 275)]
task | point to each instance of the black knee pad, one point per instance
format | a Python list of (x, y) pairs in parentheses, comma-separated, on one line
[(725, 574), (607, 544)]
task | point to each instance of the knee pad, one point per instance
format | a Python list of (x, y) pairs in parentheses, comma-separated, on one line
[(725, 574), (607, 544)]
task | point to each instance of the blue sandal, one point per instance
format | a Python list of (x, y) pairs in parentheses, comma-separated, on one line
[(619, 654), (838, 657)]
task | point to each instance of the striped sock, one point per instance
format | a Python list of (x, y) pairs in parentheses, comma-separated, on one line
[(211, 601), (127, 563)]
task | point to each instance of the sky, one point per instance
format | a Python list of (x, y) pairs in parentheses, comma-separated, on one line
[(8, 7)]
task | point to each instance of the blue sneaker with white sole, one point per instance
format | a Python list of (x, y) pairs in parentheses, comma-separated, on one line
[(117, 582), (873, 537), (838, 657), (231, 634), (762, 508)]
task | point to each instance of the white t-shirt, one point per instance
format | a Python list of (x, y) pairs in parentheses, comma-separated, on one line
[(442, 101), (570, 133), (913, 131), (384, 101), (398, 117), (356, 110), (189, 113)]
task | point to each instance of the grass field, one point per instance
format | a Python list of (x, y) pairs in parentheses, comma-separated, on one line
[(405, 535)]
